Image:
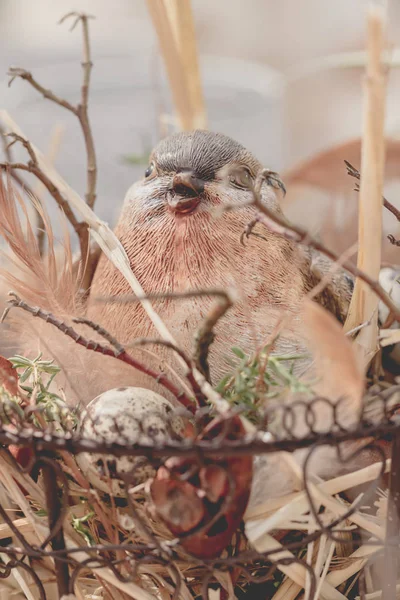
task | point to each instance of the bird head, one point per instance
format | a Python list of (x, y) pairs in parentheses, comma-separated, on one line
[(190, 173)]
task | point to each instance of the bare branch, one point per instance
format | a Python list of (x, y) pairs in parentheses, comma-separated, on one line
[(205, 334), (26, 144), (129, 298), (82, 108), (200, 397), (101, 331), (352, 171), (15, 72), (203, 337), (121, 354), (393, 240), (78, 17)]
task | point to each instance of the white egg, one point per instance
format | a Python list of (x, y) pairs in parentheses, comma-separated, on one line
[(125, 415)]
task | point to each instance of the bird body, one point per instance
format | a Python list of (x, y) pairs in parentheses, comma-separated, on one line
[(179, 237), (181, 228)]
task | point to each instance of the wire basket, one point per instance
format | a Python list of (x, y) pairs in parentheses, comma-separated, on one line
[(184, 531)]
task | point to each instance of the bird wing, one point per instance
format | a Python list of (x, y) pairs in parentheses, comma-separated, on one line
[(338, 286)]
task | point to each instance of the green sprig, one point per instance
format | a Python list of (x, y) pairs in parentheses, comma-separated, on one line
[(260, 378)]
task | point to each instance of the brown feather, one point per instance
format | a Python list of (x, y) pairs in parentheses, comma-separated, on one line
[(47, 281)]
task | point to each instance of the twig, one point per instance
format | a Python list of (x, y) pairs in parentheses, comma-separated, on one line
[(15, 72), (101, 331), (121, 355), (26, 144), (144, 342), (82, 108), (168, 365), (393, 240), (200, 397), (279, 225), (251, 444), (81, 112), (129, 298), (352, 171), (205, 334)]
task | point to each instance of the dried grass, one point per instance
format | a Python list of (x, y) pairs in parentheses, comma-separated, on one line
[(364, 304), (266, 521), (174, 25)]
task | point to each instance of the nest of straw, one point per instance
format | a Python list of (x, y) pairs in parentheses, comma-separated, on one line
[(319, 540)]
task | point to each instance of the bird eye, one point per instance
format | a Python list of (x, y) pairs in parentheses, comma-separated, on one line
[(241, 177), (150, 170)]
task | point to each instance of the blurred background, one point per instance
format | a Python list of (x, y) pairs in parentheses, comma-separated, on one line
[(284, 78)]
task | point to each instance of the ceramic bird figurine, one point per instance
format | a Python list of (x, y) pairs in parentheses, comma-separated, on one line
[(178, 238)]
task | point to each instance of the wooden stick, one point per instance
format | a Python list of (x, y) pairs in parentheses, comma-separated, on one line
[(173, 22), (364, 303)]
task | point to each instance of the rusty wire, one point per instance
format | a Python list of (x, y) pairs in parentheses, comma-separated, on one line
[(247, 566)]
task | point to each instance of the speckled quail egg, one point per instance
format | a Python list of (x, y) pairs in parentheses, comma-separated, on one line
[(125, 415)]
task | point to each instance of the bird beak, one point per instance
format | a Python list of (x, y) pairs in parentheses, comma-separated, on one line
[(185, 191)]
